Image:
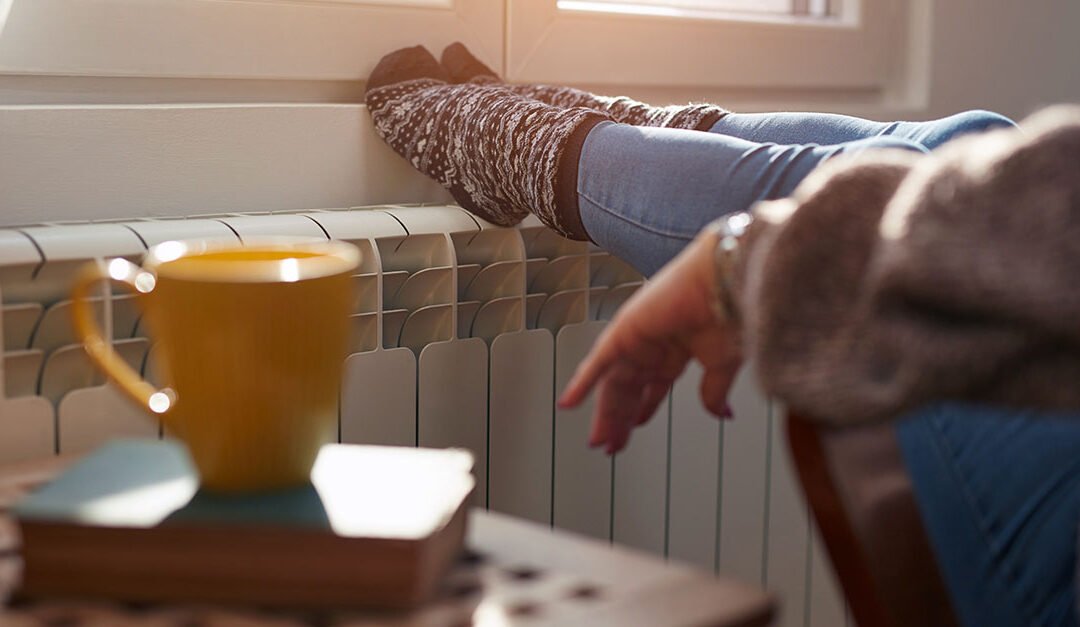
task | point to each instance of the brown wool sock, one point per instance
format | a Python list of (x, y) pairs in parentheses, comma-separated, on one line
[(463, 67), (501, 155)]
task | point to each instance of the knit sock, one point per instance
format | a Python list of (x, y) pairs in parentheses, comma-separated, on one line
[(463, 67), (501, 155)]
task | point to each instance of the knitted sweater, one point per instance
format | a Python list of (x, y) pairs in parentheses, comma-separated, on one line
[(890, 281)]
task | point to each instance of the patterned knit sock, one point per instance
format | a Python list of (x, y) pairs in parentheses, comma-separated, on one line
[(463, 67), (501, 155)]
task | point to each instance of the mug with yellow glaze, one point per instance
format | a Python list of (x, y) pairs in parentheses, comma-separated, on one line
[(251, 342)]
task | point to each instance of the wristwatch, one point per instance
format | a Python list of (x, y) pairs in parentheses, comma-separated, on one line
[(729, 230)]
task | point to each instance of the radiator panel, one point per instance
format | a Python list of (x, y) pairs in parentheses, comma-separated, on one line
[(582, 477), (744, 481), (640, 485), (28, 428), (520, 425), (378, 398), (693, 525), (452, 402)]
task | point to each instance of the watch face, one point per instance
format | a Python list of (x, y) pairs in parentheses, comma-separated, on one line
[(738, 223), (731, 229), (727, 248)]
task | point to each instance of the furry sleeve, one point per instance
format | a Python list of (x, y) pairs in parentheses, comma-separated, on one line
[(891, 280)]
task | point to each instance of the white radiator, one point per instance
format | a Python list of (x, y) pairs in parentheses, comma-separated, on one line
[(463, 334)]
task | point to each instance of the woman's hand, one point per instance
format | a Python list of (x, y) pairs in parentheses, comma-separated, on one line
[(647, 345)]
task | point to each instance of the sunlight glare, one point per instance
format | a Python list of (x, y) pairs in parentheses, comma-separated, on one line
[(628, 9), (145, 282), (139, 505), (490, 614), (421, 496), (5, 9), (290, 270), (170, 251), (160, 402), (119, 269)]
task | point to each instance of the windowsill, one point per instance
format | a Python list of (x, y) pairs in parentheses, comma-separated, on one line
[(870, 103), (112, 90)]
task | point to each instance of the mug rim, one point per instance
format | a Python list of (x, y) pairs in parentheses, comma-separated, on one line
[(322, 259)]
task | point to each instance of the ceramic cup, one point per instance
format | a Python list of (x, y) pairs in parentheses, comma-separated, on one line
[(251, 342)]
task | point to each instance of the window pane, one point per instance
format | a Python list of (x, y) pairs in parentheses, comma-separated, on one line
[(692, 6), (819, 8)]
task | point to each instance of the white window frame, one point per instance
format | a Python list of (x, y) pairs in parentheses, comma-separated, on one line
[(236, 39), (862, 51)]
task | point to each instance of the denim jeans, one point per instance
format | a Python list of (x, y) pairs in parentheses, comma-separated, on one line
[(645, 192), (999, 493)]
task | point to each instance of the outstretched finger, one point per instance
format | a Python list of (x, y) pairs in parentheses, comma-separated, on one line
[(596, 364), (652, 396), (618, 404), (715, 385)]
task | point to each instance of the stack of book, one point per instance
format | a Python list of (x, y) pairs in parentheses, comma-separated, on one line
[(376, 527)]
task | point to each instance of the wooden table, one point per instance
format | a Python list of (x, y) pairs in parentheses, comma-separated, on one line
[(516, 573)]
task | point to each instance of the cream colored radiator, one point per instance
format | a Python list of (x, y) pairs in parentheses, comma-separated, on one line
[(463, 334)]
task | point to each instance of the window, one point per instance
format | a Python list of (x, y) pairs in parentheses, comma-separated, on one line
[(679, 49), (709, 49), (752, 9)]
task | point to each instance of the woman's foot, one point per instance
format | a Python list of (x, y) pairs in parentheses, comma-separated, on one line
[(501, 155), (463, 67)]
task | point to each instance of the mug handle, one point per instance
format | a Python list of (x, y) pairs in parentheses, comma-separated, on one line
[(101, 353)]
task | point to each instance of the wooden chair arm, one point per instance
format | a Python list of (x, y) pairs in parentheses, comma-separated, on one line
[(857, 486)]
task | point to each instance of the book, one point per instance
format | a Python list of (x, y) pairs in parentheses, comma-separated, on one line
[(377, 527)]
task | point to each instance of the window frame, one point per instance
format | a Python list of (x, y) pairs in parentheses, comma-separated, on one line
[(863, 50), (325, 40)]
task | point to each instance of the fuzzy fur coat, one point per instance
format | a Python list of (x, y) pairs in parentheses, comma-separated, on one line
[(893, 280)]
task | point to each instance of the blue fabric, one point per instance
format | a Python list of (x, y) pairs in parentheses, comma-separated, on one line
[(645, 192), (830, 128), (999, 493)]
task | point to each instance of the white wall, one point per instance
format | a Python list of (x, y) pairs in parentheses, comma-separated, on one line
[(1005, 55), (112, 161)]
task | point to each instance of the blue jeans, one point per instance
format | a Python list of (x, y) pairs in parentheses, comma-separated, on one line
[(645, 192), (999, 493)]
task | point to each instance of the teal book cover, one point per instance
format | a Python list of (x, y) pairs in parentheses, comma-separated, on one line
[(355, 491)]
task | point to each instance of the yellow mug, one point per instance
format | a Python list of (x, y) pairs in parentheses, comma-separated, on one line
[(251, 342)]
